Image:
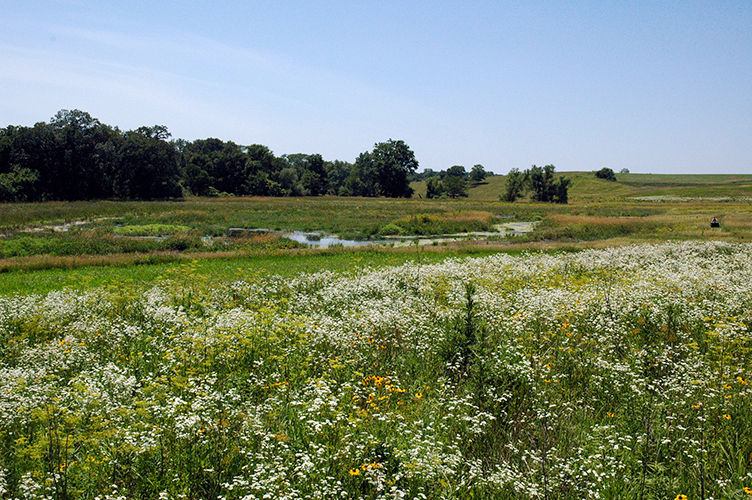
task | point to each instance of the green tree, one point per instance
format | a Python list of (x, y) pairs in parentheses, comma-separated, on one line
[(540, 182), (213, 166), (337, 172), (606, 173), (21, 159), (263, 169), (514, 185), (434, 187), (363, 179), (455, 182), (71, 158), (478, 174), (147, 165), (561, 190), (545, 187), (392, 162), (81, 168), (311, 171), (289, 182), (18, 184)]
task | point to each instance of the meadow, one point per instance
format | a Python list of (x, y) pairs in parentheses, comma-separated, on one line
[(614, 373), (637, 208), (605, 355)]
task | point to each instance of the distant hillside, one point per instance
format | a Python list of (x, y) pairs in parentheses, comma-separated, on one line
[(586, 187)]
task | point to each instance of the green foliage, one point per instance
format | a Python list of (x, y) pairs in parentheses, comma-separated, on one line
[(75, 157), (437, 224), (478, 174), (18, 184), (151, 230), (212, 165), (514, 186), (544, 187), (80, 243), (311, 172), (382, 172), (148, 166), (606, 174), (434, 187), (540, 182), (392, 229), (337, 172), (394, 161), (455, 182)]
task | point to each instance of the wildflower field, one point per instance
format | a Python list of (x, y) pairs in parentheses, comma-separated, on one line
[(616, 373)]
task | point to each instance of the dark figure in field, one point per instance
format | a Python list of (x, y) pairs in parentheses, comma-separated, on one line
[(715, 223)]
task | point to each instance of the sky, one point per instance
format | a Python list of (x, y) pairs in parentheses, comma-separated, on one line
[(649, 86)]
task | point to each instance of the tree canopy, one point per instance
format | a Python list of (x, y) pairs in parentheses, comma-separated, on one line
[(539, 182), (76, 157), (606, 173)]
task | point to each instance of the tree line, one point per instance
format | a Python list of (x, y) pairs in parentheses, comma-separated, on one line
[(76, 157)]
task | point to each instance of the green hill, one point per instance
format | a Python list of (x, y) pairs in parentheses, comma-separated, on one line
[(586, 187)]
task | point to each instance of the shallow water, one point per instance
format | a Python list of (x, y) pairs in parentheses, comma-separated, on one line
[(320, 240), (323, 240)]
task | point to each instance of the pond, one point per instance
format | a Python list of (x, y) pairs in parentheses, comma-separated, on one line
[(322, 240)]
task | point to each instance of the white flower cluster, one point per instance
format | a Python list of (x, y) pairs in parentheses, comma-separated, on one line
[(598, 374)]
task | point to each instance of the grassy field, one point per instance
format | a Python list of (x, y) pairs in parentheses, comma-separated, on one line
[(639, 207), (586, 187), (146, 353)]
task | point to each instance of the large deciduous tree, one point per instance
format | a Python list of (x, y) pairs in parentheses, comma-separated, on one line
[(478, 174), (213, 166), (310, 173), (384, 171), (83, 166), (514, 185), (455, 182), (148, 166)]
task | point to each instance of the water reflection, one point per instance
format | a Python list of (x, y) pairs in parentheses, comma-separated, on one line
[(317, 239), (324, 240)]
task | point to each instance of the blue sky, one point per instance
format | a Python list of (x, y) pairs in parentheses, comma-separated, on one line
[(651, 86)]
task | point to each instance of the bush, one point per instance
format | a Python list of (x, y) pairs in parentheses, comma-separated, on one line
[(606, 173)]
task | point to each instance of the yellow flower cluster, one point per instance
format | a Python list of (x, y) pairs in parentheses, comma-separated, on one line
[(365, 467), (379, 381)]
